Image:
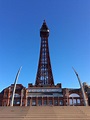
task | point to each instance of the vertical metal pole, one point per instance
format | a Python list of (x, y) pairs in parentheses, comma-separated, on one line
[(82, 89), (16, 79)]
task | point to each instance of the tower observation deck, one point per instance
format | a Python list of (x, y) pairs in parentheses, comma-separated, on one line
[(44, 72)]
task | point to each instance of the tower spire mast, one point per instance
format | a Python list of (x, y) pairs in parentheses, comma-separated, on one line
[(44, 72)]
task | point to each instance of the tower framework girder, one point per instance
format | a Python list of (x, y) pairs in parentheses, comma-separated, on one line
[(44, 72)]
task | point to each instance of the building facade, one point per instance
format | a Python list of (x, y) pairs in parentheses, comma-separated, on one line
[(44, 92), (41, 96)]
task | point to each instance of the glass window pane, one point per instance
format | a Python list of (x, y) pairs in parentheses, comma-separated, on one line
[(45, 102), (39, 102), (55, 102), (33, 102)]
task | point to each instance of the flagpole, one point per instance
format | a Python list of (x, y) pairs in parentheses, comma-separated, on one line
[(82, 89), (15, 82)]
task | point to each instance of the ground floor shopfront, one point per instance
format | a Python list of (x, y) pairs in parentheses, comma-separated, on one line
[(52, 101), (43, 101)]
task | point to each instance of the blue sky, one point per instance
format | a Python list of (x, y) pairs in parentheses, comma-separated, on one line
[(69, 40)]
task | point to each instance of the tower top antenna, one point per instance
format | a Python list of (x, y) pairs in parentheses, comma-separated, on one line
[(44, 31)]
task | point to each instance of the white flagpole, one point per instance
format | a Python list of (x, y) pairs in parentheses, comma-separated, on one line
[(82, 89), (16, 79)]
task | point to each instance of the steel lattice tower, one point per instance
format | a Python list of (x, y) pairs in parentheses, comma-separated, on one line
[(44, 72)]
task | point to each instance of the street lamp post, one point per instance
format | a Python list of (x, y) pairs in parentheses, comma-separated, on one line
[(16, 79), (82, 89)]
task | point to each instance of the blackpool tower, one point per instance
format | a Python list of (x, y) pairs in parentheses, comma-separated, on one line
[(44, 75)]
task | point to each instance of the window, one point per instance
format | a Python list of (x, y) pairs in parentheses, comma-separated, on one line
[(16, 95), (39, 102), (73, 99), (61, 102), (45, 102), (17, 102), (50, 102), (55, 102), (74, 95), (70, 102), (33, 102), (28, 102), (78, 101)]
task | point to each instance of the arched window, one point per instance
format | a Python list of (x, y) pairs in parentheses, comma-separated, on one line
[(74, 95), (74, 99)]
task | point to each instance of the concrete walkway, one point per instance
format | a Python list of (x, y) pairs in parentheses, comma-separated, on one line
[(45, 113)]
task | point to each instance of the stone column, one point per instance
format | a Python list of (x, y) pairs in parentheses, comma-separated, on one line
[(31, 101), (81, 102), (68, 101), (21, 97), (47, 100), (42, 101), (26, 101), (58, 101), (53, 100), (72, 101), (37, 101), (76, 101), (8, 103)]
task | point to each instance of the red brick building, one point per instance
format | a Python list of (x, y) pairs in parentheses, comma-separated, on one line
[(38, 95)]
